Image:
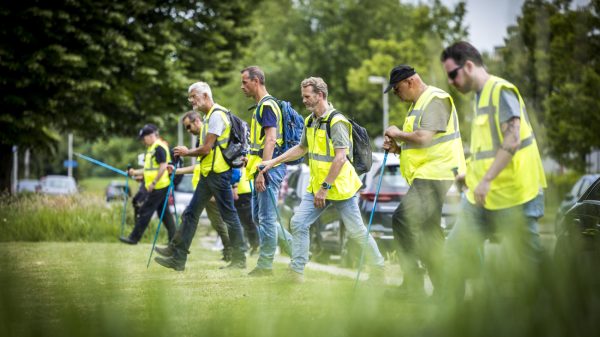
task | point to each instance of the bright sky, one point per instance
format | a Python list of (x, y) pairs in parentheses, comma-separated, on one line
[(488, 19)]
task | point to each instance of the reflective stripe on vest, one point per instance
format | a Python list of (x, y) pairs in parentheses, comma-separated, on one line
[(320, 157), (523, 176), (151, 166), (214, 160), (257, 137), (437, 159)]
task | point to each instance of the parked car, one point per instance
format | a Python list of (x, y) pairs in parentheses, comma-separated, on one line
[(571, 198), (182, 196), (58, 185), (578, 232), (116, 191), (28, 185)]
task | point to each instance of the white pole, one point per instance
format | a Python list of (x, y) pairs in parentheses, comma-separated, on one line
[(70, 151), (26, 163), (15, 170)]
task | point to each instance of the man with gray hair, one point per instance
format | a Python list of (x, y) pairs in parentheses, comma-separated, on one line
[(333, 179), (215, 178)]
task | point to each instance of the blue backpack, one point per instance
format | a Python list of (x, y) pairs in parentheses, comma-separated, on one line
[(293, 125)]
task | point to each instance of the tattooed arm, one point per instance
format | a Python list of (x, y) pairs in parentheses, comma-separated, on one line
[(511, 130)]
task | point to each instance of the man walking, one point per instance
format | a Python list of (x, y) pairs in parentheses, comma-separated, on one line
[(333, 179), (266, 138), (430, 148), (215, 180), (504, 177), (156, 181)]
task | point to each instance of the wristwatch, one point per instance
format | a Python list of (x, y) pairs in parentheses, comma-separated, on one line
[(326, 186)]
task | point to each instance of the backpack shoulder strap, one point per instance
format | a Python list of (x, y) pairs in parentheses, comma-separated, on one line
[(328, 125)]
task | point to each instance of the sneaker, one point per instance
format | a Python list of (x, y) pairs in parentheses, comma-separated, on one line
[(294, 276), (377, 276), (258, 272), (167, 251), (127, 240), (235, 265), (169, 262)]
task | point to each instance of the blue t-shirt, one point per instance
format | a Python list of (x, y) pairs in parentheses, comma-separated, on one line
[(268, 119)]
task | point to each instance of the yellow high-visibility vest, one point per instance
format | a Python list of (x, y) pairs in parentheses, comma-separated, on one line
[(214, 161), (257, 136), (320, 157), (436, 160), (522, 178), (151, 166)]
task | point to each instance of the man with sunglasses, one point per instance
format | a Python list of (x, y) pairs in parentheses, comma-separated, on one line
[(214, 181), (504, 177), (430, 149)]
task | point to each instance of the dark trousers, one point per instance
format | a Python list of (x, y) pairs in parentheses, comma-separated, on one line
[(416, 226), (219, 186), (244, 207), (217, 223), (154, 202)]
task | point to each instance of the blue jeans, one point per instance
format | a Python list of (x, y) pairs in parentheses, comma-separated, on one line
[(265, 214), (219, 186), (516, 226), (306, 214)]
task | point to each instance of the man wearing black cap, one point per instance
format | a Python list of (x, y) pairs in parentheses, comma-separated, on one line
[(156, 181), (430, 149)]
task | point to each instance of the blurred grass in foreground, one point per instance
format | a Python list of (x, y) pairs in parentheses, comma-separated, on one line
[(100, 289)]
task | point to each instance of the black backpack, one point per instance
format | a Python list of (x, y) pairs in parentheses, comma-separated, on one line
[(237, 146), (362, 154)]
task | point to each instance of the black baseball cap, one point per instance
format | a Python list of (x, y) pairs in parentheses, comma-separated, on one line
[(398, 74), (146, 130)]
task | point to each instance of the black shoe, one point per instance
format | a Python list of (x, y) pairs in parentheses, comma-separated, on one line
[(253, 250), (258, 272), (235, 265), (170, 262), (167, 251), (226, 254), (127, 240)]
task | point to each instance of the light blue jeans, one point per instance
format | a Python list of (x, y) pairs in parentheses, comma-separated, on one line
[(306, 214), (265, 215)]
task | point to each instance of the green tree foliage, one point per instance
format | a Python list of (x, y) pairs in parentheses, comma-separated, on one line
[(104, 68), (333, 39), (553, 55)]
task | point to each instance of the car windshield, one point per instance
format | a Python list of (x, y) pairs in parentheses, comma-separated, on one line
[(185, 185), (392, 180)]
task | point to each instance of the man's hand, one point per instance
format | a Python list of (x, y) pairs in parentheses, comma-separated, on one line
[(460, 181), (389, 144), (481, 192), (259, 182), (320, 198), (266, 165), (170, 168), (181, 151), (150, 187), (131, 172), (392, 132), (235, 193)]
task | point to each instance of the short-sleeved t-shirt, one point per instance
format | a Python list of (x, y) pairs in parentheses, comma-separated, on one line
[(509, 106), (436, 115), (340, 134), (216, 125), (268, 119), (160, 155)]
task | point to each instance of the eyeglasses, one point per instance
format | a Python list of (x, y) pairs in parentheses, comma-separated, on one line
[(452, 74)]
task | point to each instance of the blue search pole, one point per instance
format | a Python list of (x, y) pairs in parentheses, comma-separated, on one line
[(362, 252), (274, 201), (162, 214), (97, 162)]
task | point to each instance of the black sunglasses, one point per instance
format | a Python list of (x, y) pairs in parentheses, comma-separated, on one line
[(452, 74)]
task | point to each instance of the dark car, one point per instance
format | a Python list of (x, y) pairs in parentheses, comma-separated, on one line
[(325, 234), (576, 192), (578, 232), (116, 191)]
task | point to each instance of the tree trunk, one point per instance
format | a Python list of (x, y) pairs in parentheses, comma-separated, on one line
[(6, 162)]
